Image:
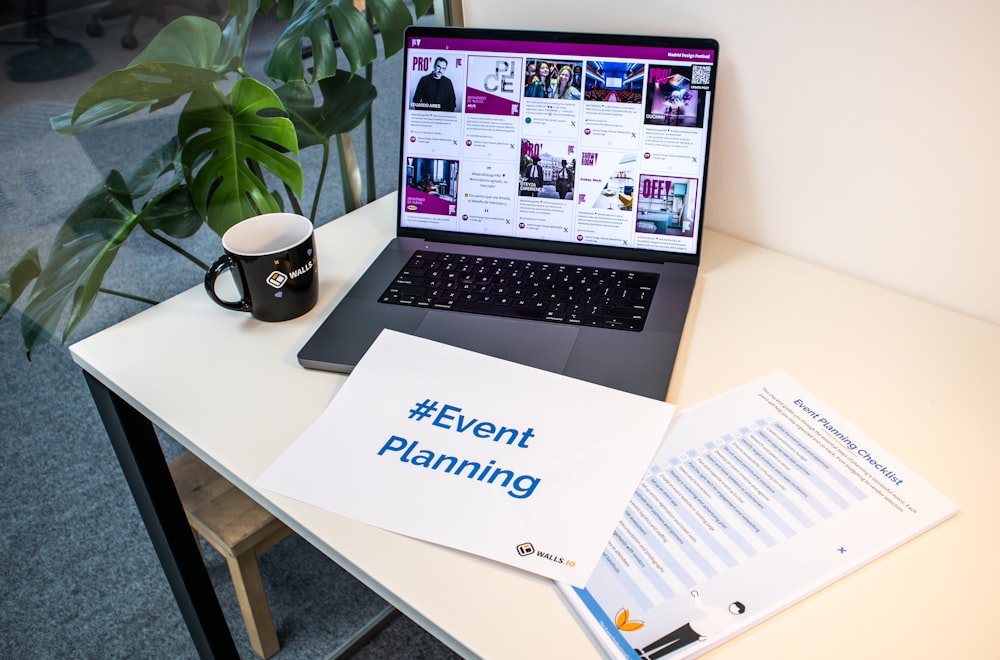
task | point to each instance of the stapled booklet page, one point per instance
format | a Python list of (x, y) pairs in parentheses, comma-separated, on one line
[(756, 499)]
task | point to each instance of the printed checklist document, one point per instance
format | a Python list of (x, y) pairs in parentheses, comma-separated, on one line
[(755, 500)]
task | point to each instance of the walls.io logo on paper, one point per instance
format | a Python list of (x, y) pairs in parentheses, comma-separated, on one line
[(555, 558), (528, 549)]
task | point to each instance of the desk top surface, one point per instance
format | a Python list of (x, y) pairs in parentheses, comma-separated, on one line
[(919, 379)]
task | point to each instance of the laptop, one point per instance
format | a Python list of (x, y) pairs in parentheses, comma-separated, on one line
[(551, 204)]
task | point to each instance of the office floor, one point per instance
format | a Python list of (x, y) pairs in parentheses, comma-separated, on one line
[(79, 577)]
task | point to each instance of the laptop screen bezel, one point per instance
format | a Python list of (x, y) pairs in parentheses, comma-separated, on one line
[(540, 245)]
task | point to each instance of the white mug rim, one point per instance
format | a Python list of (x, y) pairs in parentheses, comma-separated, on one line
[(257, 229)]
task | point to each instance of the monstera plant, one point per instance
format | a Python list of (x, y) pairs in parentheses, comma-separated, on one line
[(235, 153)]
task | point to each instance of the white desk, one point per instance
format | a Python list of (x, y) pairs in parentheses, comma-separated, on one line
[(922, 381)]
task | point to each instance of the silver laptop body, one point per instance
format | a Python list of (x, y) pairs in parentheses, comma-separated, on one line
[(580, 154)]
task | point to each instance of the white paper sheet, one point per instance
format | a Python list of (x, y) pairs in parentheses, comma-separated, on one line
[(522, 466)]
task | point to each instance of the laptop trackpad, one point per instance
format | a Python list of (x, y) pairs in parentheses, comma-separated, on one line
[(543, 345)]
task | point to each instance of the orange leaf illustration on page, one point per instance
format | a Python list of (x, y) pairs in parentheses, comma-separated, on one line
[(622, 622)]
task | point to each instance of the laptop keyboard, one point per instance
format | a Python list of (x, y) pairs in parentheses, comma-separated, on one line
[(514, 288)]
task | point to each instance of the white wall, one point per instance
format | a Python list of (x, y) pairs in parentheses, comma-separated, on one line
[(842, 129)]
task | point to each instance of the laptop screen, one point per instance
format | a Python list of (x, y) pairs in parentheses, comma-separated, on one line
[(585, 143)]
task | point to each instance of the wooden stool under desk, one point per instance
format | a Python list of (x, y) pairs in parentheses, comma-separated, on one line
[(241, 530)]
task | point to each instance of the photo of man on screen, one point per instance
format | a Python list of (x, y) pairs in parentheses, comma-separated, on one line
[(434, 91)]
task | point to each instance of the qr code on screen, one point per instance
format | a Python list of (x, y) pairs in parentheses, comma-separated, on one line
[(701, 75)]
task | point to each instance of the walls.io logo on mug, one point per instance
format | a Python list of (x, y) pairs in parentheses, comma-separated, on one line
[(276, 279)]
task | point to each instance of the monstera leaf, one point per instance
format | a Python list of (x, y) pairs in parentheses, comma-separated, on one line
[(173, 214), (161, 161), (238, 27), (346, 101), (188, 54), (173, 211), (16, 279), (88, 242), (223, 141), (227, 148), (309, 24), (393, 17), (83, 250)]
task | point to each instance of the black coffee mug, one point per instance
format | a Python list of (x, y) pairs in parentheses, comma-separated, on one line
[(272, 258)]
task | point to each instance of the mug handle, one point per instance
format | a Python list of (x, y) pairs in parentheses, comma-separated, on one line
[(221, 265)]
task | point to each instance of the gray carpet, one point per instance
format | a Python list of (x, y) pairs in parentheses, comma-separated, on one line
[(78, 575)]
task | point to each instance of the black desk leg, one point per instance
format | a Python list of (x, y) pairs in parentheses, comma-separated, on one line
[(135, 442)]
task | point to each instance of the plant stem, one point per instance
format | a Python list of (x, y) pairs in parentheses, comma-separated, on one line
[(350, 174), (369, 131), (322, 177), (369, 147), (130, 296), (293, 200), (176, 248)]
